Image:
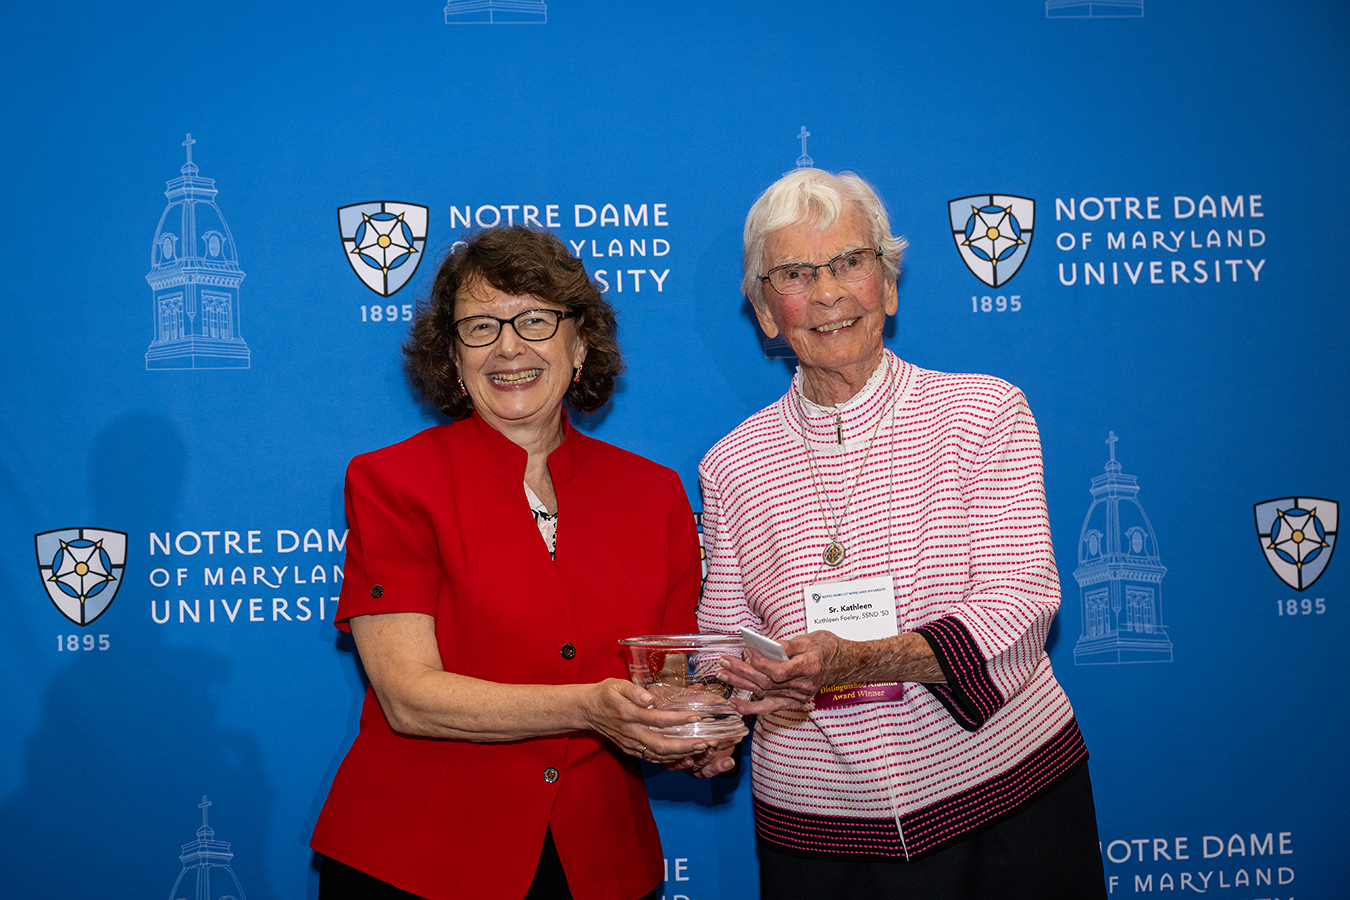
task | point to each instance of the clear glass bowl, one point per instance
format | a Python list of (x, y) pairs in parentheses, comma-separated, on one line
[(681, 672)]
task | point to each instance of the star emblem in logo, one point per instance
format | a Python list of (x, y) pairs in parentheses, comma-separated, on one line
[(992, 232), (81, 569), (383, 241), (1297, 536)]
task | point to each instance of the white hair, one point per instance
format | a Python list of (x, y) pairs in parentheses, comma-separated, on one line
[(817, 197)]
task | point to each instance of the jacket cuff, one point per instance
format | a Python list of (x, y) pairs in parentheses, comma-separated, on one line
[(969, 695)]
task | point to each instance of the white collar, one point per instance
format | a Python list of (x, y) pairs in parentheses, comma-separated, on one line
[(856, 419)]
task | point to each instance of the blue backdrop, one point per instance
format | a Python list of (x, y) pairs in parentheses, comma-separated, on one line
[(192, 358)]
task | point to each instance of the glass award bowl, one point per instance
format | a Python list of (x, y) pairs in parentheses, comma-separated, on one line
[(681, 672)]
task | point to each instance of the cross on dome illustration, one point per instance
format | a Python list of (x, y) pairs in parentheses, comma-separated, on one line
[(206, 873), (804, 161)]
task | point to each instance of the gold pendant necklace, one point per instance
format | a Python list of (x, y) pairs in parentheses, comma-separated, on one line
[(835, 551)]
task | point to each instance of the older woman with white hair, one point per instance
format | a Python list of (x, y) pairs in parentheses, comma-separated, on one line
[(887, 525)]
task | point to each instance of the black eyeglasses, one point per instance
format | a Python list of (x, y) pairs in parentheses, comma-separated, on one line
[(531, 325), (796, 278)]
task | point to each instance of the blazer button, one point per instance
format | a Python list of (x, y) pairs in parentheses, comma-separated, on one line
[(377, 591), (568, 651), (550, 774)]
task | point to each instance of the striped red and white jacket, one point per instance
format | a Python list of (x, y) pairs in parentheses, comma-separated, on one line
[(950, 501)]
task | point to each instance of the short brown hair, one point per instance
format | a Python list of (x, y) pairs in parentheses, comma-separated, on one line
[(519, 261)]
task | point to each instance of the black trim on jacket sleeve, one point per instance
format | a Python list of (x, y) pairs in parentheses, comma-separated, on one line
[(970, 695)]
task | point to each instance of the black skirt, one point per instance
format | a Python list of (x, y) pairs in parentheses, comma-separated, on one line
[(1048, 849)]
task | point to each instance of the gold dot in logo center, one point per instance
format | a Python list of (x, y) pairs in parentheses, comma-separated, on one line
[(992, 233), (384, 240), (1297, 537), (81, 568)]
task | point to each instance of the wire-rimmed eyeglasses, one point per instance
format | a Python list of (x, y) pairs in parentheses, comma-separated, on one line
[(796, 278), (531, 325)]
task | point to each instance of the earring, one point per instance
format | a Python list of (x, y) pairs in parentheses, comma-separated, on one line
[(576, 378), (463, 391)]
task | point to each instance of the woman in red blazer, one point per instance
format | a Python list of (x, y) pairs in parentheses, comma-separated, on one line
[(492, 566)]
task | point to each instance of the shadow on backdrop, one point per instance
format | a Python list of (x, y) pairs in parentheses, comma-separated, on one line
[(128, 741)]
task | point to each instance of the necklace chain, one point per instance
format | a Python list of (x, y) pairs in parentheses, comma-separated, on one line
[(835, 551)]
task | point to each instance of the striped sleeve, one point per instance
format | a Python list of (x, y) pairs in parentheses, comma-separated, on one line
[(992, 641)]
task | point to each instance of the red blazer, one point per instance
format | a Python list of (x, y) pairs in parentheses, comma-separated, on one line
[(440, 525)]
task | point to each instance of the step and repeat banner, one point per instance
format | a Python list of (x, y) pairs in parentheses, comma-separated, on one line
[(221, 216)]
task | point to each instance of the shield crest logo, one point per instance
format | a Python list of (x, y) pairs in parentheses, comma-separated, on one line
[(993, 234), (81, 570), (1298, 535), (384, 242)]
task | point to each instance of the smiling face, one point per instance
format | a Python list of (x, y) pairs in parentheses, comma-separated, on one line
[(835, 327), (516, 385)]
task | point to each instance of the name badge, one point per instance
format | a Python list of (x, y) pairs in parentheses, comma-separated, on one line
[(862, 609)]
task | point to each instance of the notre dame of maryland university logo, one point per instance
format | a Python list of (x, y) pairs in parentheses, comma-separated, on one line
[(1297, 537), (81, 570), (384, 242), (993, 234)]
